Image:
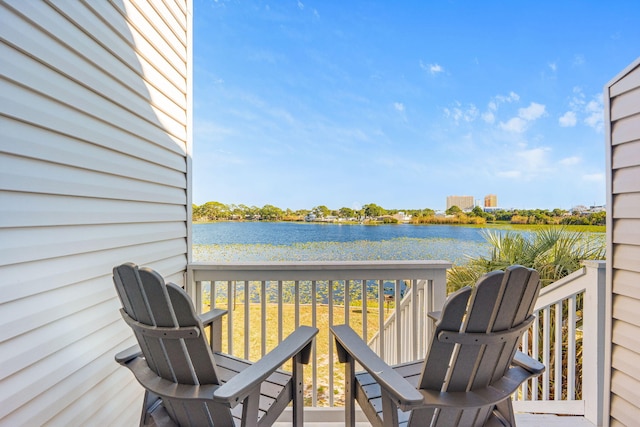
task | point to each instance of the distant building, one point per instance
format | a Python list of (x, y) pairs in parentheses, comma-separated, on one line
[(490, 201), (463, 202)]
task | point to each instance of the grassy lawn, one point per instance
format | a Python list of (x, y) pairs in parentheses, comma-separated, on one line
[(322, 344)]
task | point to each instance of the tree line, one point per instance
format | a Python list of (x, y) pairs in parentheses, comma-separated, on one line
[(216, 211)]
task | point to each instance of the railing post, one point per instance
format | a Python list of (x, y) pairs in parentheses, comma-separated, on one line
[(593, 343)]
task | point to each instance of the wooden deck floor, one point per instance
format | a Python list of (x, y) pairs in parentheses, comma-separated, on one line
[(331, 417)]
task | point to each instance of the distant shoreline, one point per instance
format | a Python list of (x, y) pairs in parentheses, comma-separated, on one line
[(504, 225)]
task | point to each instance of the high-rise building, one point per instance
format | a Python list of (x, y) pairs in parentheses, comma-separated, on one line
[(463, 202), (490, 201)]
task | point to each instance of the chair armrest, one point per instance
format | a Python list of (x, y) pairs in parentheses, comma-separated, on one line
[(240, 386), (129, 354), (213, 319), (212, 316), (164, 388), (531, 365), (404, 395), (434, 315)]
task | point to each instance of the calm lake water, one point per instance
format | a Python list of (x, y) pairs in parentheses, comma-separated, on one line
[(284, 241), (287, 233)]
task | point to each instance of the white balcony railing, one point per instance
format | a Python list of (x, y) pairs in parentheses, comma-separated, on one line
[(266, 301)]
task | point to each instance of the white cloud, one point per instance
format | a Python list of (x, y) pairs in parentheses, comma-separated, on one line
[(508, 98), (578, 60), (532, 112), (516, 125), (399, 106), (525, 116), (568, 119), (574, 160), (553, 66), (300, 5), (594, 110), (435, 68), (432, 68), (489, 117), (460, 113)]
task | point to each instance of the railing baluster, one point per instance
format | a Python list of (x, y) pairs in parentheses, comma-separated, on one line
[(330, 284), (314, 376), (247, 329), (263, 318), (557, 386), (280, 312), (535, 352), (571, 348), (230, 311), (397, 309), (365, 305), (381, 330), (545, 351), (296, 286)]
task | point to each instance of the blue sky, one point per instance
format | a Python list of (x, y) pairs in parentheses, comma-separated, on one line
[(344, 103)]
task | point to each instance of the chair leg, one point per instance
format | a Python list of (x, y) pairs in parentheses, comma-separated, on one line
[(389, 411), (505, 411), (298, 391), (349, 389)]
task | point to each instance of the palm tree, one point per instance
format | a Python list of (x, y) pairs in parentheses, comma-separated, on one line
[(553, 251)]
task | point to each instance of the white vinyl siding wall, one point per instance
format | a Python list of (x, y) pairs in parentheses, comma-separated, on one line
[(622, 97), (94, 171)]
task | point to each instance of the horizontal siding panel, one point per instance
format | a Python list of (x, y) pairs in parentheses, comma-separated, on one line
[(46, 275), (626, 283), (65, 365), (26, 106), (145, 65), (119, 393), (65, 180), (626, 104), (626, 361), (626, 180), (28, 244), (147, 42), (626, 335), (26, 314), (629, 82), (626, 309), (96, 84), (62, 352), (626, 257), (35, 210), (624, 412), (146, 20), (625, 386), (625, 130), (37, 143), (626, 155), (174, 17), (132, 68), (160, 18), (53, 84), (626, 205), (626, 231)]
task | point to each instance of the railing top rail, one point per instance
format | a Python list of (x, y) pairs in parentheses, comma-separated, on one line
[(572, 284), (317, 270)]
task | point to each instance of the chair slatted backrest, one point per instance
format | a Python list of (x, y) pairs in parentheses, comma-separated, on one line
[(170, 335), (500, 301)]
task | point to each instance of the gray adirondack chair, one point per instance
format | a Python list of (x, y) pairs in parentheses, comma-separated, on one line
[(472, 367), (188, 384)]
